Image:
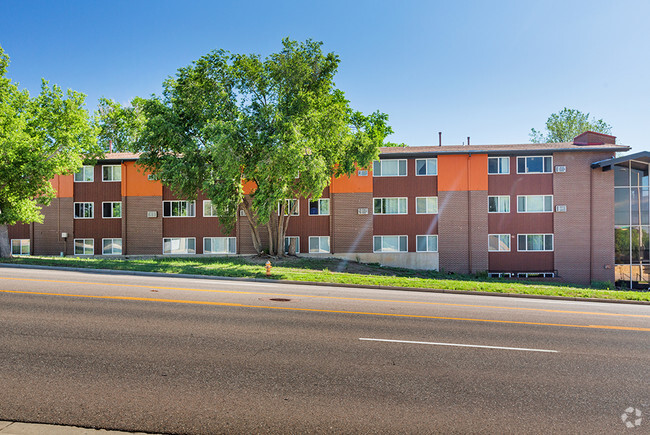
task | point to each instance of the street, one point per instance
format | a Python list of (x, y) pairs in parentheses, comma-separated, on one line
[(179, 355)]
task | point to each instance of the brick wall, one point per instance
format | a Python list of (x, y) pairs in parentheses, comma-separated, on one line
[(143, 234), (452, 231), (57, 219), (478, 225), (351, 232)]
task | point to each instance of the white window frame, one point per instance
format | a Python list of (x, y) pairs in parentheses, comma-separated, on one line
[(187, 250), (286, 245), (383, 205), (112, 242), (83, 172), (112, 174), (499, 197), (287, 207), (84, 241), (320, 201), (427, 211), (320, 246), (500, 238), (426, 167), (536, 250), (213, 210), (526, 203), (112, 209), (92, 210), (228, 241), (526, 171), (21, 244), (499, 167), (399, 244), (417, 245), (378, 164), (190, 205)]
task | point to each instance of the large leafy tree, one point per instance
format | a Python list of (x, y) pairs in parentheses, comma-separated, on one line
[(566, 125), (40, 137), (277, 124)]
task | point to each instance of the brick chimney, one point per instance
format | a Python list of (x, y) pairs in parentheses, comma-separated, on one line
[(593, 138)]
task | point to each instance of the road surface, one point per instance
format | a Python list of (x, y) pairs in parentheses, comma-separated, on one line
[(215, 356)]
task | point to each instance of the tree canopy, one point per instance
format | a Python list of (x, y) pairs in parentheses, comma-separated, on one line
[(566, 125), (40, 137), (278, 123)]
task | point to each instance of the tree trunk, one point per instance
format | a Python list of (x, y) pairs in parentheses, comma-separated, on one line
[(5, 248), (252, 222)]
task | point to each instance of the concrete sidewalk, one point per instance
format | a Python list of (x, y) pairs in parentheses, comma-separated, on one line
[(14, 428)]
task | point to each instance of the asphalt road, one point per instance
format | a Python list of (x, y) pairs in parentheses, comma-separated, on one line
[(203, 356)]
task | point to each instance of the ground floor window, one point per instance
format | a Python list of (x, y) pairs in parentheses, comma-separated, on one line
[(426, 243), (84, 246), (535, 242), (287, 241), (632, 244), (390, 243), (499, 242), (219, 245), (319, 244), (179, 245), (111, 246), (20, 246)]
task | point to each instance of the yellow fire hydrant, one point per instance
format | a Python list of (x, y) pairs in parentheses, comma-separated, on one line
[(268, 267)]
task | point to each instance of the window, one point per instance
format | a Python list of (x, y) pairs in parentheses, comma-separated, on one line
[(319, 207), (112, 173), (535, 242), (498, 204), (20, 246), (389, 168), (426, 243), (209, 210), (426, 167), (389, 244), (390, 206), (178, 208), (535, 165), (219, 245), (84, 246), (112, 209), (289, 204), (426, 205), (85, 175), (498, 165), (288, 240), (319, 244), (179, 245), (83, 210), (535, 204), (111, 246), (498, 242)]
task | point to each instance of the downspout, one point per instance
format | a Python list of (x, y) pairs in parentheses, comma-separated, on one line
[(591, 225)]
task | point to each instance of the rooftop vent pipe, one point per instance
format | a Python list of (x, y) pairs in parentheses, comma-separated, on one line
[(467, 140), (439, 138)]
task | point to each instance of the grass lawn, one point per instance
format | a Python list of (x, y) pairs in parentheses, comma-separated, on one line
[(332, 271)]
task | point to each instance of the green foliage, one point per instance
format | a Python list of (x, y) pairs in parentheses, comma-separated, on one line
[(566, 125), (40, 137), (278, 122), (119, 127)]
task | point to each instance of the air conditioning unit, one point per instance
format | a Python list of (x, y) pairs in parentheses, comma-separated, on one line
[(362, 211), (560, 169), (242, 213), (560, 208), (152, 214), (363, 173)]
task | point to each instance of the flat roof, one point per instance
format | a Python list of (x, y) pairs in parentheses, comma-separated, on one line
[(643, 156)]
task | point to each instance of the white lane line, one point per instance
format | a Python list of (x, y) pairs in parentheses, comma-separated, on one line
[(459, 345)]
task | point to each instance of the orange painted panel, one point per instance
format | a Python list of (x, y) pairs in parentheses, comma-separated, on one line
[(63, 184), (249, 187), (462, 172), (135, 182), (353, 183)]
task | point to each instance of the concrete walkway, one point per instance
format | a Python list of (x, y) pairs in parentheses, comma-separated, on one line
[(13, 428)]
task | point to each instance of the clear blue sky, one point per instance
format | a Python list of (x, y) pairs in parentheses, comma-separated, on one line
[(486, 69)]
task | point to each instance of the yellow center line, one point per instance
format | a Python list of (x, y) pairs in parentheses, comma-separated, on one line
[(328, 297), (316, 310)]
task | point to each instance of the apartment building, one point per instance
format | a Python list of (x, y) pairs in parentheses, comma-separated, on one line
[(511, 210)]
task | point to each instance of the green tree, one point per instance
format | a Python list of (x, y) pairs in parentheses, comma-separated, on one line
[(278, 122), (566, 125), (40, 137), (119, 126)]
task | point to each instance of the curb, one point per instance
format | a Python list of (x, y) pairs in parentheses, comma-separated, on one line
[(321, 284)]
